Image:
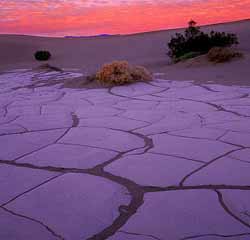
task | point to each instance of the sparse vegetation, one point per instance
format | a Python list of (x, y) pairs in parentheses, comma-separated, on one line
[(140, 73), (195, 42), (187, 56), (42, 55), (222, 54), (120, 73)]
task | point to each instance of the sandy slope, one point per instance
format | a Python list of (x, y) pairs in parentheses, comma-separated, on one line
[(148, 49)]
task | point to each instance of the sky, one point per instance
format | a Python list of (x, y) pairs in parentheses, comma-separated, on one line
[(92, 17)]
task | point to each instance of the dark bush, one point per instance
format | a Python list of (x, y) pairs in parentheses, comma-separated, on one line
[(42, 55), (222, 39), (194, 40)]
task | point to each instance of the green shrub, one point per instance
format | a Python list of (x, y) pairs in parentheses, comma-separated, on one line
[(194, 40), (42, 55), (222, 39)]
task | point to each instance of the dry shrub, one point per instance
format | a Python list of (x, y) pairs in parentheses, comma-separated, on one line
[(222, 54), (140, 73), (120, 72)]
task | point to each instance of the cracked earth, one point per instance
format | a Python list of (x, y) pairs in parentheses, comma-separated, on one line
[(164, 160)]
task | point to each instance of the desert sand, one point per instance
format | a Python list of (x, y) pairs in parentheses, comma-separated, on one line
[(147, 49)]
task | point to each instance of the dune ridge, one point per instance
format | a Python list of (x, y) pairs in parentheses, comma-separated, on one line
[(147, 49)]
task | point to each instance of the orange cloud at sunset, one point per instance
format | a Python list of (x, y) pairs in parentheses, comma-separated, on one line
[(59, 18)]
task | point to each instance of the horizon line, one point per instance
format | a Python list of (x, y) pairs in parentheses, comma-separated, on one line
[(103, 35)]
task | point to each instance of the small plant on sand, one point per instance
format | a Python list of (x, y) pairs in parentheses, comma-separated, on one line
[(42, 55), (120, 72), (222, 54), (194, 42)]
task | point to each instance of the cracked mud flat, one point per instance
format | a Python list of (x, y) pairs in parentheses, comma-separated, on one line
[(162, 160)]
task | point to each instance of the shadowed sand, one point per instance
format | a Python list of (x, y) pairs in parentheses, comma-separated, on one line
[(147, 49)]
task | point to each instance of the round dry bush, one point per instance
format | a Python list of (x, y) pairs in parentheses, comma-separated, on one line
[(120, 73), (222, 54)]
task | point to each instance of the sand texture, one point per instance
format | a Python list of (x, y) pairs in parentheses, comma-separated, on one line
[(147, 49)]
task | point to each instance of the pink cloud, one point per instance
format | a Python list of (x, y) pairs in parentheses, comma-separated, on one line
[(84, 17)]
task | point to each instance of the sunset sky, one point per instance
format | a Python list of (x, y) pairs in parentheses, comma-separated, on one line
[(90, 17)]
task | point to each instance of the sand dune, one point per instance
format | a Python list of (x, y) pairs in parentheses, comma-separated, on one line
[(148, 49)]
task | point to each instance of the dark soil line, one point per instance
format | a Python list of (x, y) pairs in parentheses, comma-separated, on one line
[(36, 221), (226, 208)]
